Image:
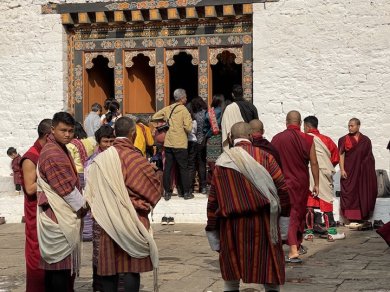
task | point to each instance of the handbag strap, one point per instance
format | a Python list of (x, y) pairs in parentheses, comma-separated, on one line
[(172, 112)]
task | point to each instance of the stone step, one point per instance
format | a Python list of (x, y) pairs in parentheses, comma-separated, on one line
[(184, 211)]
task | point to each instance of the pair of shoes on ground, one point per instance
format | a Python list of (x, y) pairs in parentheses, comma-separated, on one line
[(366, 225), (333, 237), (302, 249), (317, 228), (2, 220), (167, 195), (296, 260), (185, 196), (378, 224), (188, 196), (167, 221), (289, 260)]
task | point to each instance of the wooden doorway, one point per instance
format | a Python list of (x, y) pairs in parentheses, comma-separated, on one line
[(99, 83), (226, 71), (183, 74), (140, 85)]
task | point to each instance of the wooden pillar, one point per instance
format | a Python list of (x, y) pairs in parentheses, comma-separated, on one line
[(118, 77), (160, 78), (203, 73), (78, 85), (247, 72)]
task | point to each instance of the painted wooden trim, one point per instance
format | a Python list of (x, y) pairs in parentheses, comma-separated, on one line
[(137, 4)]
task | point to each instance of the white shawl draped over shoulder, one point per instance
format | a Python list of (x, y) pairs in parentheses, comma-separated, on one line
[(327, 171), (231, 116), (107, 195), (240, 160), (58, 240)]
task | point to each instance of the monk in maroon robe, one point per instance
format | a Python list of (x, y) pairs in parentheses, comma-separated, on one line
[(358, 182), (35, 277), (259, 141), (296, 150)]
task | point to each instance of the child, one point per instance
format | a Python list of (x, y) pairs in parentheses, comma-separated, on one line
[(15, 164)]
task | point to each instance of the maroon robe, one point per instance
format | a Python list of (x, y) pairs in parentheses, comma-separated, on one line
[(360, 189), (262, 143), (294, 149), (384, 232), (35, 277), (16, 169)]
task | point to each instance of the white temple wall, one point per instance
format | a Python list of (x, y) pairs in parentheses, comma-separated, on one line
[(329, 58)]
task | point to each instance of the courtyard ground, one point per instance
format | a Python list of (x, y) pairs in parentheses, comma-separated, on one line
[(361, 262)]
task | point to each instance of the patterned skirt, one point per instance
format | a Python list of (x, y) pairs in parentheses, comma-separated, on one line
[(214, 148)]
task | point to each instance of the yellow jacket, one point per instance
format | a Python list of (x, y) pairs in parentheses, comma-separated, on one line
[(89, 145), (144, 138), (180, 124)]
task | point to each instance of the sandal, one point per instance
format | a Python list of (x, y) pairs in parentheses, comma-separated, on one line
[(366, 225), (293, 260), (302, 250), (354, 225)]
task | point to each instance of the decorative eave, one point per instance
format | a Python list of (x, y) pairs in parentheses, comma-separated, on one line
[(149, 10)]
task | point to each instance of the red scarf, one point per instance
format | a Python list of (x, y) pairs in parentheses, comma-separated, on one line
[(350, 142)]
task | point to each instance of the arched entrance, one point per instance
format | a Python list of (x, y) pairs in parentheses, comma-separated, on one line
[(139, 82), (99, 83), (183, 72), (226, 67)]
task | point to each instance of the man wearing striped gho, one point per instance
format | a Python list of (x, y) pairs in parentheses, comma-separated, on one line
[(247, 196), (122, 189), (60, 207)]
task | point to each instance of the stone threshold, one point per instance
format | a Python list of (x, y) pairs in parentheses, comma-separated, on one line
[(183, 211)]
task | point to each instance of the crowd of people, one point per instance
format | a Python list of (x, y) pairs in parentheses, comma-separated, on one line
[(100, 184)]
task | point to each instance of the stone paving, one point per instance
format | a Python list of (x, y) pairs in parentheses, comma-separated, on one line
[(361, 262)]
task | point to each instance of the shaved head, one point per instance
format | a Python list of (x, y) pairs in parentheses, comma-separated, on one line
[(293, 118), (355, 120), (256, 126), (241, 130), (354, 126)]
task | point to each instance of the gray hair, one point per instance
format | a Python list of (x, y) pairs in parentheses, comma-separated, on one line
[(96, 107), (179, 94)]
